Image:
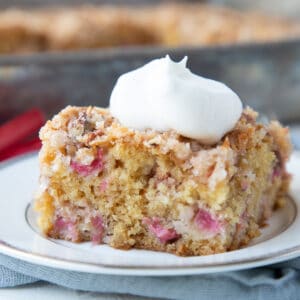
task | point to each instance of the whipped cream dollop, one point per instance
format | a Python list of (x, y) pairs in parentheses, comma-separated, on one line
[(165, 95)]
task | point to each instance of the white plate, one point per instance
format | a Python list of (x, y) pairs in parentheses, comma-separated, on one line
[(20, 238)]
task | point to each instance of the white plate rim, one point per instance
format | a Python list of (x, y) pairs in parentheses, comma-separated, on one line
[(10, 250)]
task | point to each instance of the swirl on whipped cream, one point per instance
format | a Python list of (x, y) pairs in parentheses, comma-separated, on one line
[(165, 95)]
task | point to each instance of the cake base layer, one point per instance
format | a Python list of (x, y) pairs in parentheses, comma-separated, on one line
[(105, 183)]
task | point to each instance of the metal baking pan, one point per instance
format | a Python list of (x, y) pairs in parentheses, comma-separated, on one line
[(265, 75)]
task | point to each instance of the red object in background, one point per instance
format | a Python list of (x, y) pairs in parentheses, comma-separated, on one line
[(14, 134), (19, 128), (21, 148)]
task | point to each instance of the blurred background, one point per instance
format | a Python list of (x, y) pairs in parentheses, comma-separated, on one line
[(54, 53)]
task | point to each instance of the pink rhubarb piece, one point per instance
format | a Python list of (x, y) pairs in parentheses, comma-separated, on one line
[(98, 229), (205, 221), (276, 173), (103, 186), (86, 170), (163, 234), (66, 228)]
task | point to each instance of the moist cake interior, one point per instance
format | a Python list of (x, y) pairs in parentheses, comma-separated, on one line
[(105, 183)]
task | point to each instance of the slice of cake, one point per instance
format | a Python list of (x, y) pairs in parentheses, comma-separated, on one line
[(105, 182)]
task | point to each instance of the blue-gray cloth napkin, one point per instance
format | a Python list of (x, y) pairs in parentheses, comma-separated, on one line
[(280, 281), (276, 282)]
